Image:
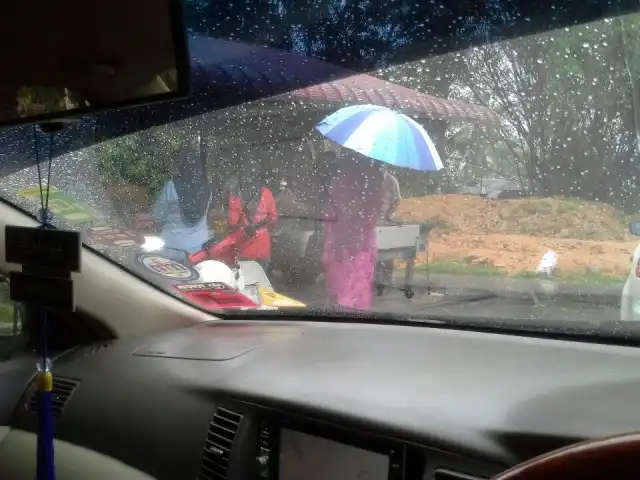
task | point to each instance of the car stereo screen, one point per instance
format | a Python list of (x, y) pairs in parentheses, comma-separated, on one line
[(305, 457)]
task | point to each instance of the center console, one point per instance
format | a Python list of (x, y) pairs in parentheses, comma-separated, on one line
[(315, 458), (313, 452), (283, 446)]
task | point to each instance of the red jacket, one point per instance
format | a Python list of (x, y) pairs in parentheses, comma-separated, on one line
[(266, 214)]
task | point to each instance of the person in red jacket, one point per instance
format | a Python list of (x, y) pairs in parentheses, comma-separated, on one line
[(253, 209)]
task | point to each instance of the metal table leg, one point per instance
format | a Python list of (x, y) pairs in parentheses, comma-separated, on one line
[(408, 279)]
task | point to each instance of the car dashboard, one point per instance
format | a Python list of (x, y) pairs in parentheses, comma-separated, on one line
[(283, 400)]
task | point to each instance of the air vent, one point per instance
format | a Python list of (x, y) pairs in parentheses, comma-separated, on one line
[(264, 440), (63, 388), (442, 474), (218, 444)]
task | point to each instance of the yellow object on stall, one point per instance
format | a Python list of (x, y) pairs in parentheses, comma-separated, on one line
[(273, 299)]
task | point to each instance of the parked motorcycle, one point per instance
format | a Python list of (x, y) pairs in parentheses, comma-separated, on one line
[(208, 269), (217, 262), (170, 267)]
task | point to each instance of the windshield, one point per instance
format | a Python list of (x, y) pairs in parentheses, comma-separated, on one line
[(496, 182)]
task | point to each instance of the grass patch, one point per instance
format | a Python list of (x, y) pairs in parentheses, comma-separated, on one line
[(579, 277), (547, 206), (568, 206), (535, 206), (459, 268), (570, 276), (526, 274)]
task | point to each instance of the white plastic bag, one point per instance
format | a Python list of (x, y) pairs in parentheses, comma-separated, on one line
[(215, 271), (548, 263)]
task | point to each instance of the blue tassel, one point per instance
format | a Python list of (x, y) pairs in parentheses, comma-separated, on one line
[(45, 462)]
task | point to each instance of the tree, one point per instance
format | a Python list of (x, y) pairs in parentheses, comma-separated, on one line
[(566, 99), (134, 167)]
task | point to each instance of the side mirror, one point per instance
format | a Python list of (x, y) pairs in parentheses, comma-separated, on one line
[(634, 228)]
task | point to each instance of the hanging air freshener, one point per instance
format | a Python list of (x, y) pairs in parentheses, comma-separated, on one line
[(45, 217), (48, 257)]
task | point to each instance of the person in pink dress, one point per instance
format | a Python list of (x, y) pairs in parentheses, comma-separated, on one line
[(351, 215)]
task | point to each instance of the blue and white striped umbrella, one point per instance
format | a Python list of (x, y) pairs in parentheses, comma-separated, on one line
[(382, 134)]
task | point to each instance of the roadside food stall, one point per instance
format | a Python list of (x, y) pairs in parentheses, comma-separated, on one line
[(277, 131), (298, 253), (297, 241)]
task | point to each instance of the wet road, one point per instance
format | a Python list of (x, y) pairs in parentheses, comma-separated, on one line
[(522, 310)]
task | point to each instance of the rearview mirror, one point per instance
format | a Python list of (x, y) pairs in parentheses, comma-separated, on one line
[(67, 58), (634, 228)]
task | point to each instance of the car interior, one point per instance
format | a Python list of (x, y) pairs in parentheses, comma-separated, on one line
[(148, 386)]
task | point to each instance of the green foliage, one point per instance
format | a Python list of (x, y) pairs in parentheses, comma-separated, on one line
[(142, 159), (569, 101)]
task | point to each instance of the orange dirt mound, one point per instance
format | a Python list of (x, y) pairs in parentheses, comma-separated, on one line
[(513, 234)]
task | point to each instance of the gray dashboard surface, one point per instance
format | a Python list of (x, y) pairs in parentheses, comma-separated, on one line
[(496, 398), (206, 343)]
